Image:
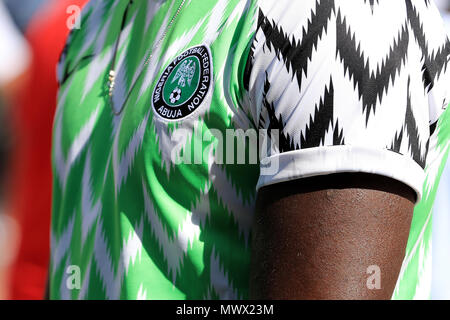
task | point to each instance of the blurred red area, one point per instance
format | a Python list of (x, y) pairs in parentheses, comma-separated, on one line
[(30, 181)]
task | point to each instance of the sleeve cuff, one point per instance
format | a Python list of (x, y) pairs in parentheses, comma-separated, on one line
[(338, 159)]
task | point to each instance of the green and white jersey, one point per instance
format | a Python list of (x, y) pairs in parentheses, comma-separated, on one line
[(154, 193)]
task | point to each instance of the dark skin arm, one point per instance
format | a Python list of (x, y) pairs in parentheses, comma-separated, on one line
[(315, 238)]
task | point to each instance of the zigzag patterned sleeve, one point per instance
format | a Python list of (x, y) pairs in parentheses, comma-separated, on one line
[(66, 64), (348, 86)]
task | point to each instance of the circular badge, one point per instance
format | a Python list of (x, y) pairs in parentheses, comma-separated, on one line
[(184, 84)]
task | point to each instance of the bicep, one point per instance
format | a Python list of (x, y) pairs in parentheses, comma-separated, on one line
[(316, 238)]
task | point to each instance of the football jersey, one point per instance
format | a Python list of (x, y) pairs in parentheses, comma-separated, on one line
[(155, 188)]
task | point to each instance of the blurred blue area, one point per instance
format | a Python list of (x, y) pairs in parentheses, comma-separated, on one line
[(23, 10)]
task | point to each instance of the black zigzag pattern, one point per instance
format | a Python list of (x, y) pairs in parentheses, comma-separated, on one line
[(411, 130), (372, 86), (319, 125), (435, 63), (316, 130), (286, 143), (296, 54), (371, 3)]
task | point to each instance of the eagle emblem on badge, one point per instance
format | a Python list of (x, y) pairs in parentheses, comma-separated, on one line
[(185, 73)]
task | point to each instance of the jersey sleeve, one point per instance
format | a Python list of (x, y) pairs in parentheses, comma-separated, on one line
[(339, 86)]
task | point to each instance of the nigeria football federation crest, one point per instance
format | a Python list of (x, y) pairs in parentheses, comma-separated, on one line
[(184, 84)]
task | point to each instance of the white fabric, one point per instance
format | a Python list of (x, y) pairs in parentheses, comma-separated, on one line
[(338, 159), (14, 51)]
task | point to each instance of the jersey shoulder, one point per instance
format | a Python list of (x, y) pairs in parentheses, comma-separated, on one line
[(85, 36)]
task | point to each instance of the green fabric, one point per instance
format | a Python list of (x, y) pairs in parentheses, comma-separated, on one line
[(136, 225), (416, 269)]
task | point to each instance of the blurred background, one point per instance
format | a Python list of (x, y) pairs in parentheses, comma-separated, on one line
[(440, 289), (32, 36)]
